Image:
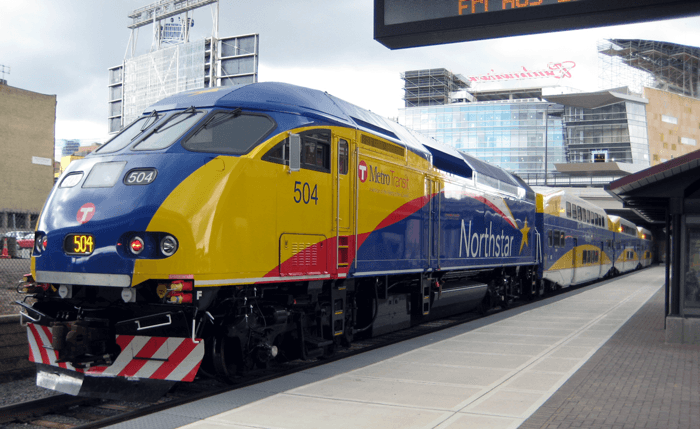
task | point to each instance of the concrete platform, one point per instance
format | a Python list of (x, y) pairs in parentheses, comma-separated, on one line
[(491, 373)]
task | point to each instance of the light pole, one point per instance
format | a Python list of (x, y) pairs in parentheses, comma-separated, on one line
[(546, 148)]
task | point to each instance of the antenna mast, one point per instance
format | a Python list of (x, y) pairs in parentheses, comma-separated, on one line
[(4, 70)]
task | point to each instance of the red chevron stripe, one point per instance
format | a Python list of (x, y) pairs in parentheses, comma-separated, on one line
[(175, 359), (40, 345), (146, 352)]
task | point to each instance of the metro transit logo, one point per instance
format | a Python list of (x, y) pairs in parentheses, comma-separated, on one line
[(85, 213), (362, 171)]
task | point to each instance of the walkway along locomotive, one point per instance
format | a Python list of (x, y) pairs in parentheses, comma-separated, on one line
[(230, 227)]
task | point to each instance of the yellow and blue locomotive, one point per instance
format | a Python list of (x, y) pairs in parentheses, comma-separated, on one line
[(230, 227)]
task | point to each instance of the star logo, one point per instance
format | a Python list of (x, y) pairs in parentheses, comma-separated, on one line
[(525, 230)]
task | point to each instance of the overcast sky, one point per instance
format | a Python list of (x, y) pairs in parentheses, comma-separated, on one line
[(65, 48)]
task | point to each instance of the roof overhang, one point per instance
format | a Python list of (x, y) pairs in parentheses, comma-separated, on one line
[(593, 100), (589, 169), (648, 192)]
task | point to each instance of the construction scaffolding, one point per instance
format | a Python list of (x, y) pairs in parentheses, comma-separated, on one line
[(174, 63), (431, 87), (151, 77), (647, 63)]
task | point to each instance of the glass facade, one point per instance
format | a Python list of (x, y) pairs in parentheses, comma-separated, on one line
[(613, 133), (512, 135)]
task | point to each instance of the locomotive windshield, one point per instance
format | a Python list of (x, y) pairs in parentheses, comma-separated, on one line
[(155, 131), (123, 139), (167, 131), (230, 132)]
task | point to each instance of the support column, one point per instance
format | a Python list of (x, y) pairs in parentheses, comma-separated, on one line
[(674, 321)]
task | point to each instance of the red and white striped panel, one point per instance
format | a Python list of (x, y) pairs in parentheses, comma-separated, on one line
[(158, 358)]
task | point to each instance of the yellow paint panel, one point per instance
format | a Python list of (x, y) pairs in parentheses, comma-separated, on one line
[(230, 214), (567, 260), (553, 206), (224, 220)]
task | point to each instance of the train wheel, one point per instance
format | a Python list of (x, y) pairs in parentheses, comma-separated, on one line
[(485, 304), (226, 357)]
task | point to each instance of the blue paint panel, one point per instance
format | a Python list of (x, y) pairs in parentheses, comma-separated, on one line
[(474, 234), (405, 245), (118, 209)]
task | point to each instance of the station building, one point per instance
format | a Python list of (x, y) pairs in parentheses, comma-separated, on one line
[(27, 129), (559, 136)]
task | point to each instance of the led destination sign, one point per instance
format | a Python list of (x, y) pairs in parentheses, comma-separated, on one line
[(410, 23), (403, 11)]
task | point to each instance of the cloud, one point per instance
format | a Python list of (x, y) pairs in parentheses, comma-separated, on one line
[(379, 90), (65, 48)]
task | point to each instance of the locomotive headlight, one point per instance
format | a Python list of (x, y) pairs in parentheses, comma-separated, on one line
[(65, 291), (40, 243), (168, 245), (128, 294), (136, 245)]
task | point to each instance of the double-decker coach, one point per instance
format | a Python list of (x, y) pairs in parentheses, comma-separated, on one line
[(646, 246), (577, 246), (626, 244)]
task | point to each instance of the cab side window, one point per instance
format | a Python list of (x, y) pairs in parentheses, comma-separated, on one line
[(342, 157), (315, 151)]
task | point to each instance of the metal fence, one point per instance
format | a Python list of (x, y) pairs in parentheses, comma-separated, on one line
[(16, 243)]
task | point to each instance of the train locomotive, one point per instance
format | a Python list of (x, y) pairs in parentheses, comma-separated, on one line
[(228, 228)]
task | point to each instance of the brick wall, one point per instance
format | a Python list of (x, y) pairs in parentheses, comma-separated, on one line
[(27, 130)]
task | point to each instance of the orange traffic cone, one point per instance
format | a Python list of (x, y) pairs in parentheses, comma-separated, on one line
[(5, 254)]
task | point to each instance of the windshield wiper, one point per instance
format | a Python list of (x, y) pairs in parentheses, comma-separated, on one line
[(220, 117), (146, 123), (191, 110)]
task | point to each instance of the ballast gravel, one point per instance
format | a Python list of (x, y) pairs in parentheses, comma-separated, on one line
[(22, 390)]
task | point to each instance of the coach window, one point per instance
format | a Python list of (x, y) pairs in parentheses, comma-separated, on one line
[(342, 157), (568, 209), (562, 239), (580, 213), (549, 238)]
